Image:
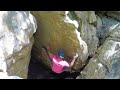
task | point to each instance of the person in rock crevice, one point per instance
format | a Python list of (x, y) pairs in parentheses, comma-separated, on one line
[(58, 63)]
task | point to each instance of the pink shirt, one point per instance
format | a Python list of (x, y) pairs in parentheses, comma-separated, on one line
[(58, 64)]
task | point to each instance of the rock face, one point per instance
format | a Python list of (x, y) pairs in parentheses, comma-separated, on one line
[(87, 20), (16, 40), (84, 32), (58, 31), (106, 62), (112, 14)]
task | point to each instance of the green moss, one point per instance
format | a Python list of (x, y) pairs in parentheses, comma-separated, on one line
[(53, 31)]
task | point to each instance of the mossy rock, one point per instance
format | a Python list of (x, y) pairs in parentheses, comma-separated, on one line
[(56, 33)]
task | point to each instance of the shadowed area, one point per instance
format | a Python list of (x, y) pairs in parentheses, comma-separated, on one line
[(38, 71)]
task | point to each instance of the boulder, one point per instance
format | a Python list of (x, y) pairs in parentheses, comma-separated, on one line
[(57, 30), (16, 40), (87, 28), (104, 26), (88, 16), (113, 14), (106, 62), (93, 70)]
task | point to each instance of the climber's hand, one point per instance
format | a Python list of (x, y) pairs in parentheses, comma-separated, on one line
[(75, 56)]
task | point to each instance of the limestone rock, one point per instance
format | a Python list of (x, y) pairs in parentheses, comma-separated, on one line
[(88, 16), (5, 76), (87, 29), (106, 64), (57, 30), (16, 39), (113, 14), (104, 27), (93, 70), (107, 56)]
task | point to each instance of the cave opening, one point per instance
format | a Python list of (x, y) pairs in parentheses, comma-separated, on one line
[(37, 70)]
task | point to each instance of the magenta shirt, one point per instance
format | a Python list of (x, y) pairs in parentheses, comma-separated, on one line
[(58, 64)]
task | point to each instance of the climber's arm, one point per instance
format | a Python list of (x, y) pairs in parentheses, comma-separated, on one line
[(73, 61), (66, 64)]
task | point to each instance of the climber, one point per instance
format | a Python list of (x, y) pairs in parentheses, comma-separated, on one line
[(58, 62)]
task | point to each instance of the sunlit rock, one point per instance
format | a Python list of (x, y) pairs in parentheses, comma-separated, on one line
[(16, 39), (105, 63)]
